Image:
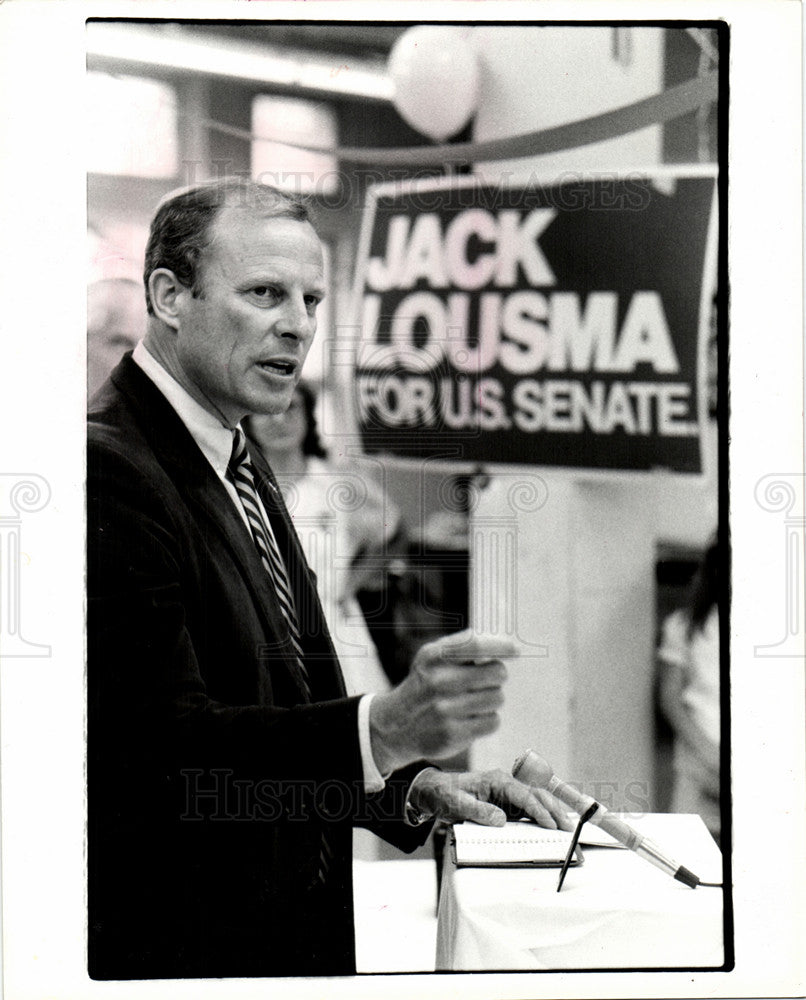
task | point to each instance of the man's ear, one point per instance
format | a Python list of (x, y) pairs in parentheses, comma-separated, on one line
[(166, 293)]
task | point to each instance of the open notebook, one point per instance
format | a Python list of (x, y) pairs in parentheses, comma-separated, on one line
[(516, 845)]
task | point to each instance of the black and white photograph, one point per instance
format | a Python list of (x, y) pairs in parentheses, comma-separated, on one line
[(425, 483)]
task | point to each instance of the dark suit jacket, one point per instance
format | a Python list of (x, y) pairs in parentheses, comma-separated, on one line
[(210, 776)]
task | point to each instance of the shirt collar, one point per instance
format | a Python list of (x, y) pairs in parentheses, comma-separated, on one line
[(214, 439)]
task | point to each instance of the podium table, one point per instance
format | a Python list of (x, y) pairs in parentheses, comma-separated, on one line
[(615, 911)]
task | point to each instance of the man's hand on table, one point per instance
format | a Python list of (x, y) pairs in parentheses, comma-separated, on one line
[(489, 798)]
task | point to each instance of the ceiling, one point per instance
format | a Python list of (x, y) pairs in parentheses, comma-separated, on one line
[(368, 40)]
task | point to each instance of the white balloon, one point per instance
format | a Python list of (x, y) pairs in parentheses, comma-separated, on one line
[(436, 77)]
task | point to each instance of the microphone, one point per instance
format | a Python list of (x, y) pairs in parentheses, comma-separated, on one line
[(532, 769)]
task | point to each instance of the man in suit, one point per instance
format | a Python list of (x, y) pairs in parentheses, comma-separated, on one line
[(226, 767)]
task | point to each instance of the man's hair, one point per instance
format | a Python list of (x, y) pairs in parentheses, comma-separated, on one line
[(181, 227)]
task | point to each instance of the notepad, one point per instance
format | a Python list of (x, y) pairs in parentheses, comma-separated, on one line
[(516, 845)]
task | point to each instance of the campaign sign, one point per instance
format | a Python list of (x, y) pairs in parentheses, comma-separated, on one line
[(558, 325)]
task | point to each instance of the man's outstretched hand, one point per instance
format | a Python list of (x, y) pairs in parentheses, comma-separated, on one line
[(489, 798), (451, 696)]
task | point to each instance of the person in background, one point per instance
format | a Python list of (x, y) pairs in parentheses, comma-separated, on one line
[(115, 323), (689, 695), (345, 524)]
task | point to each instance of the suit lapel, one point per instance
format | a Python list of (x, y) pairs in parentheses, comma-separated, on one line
[(325, 679), (222, 515), (195, 478)]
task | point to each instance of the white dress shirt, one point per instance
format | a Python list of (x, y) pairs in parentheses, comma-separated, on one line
[(215, 442)]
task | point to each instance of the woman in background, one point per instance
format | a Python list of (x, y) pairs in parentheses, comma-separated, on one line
[(689, 695), (344, 523)]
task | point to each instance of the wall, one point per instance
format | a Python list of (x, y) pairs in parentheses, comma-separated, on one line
[(535, 78), (582, 580)]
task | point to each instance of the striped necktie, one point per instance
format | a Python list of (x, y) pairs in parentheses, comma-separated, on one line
[(242, 476)]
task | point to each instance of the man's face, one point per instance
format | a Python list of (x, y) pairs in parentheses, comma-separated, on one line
[(241, 344)]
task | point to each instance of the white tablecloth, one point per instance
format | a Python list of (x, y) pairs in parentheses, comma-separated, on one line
[(614, 911), (395, 915)]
